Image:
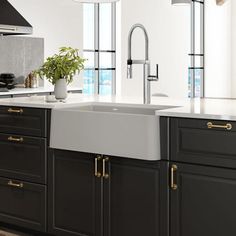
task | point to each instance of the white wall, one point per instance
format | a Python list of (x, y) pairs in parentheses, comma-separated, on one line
[(168, 28), (218, 42), (59, 22)]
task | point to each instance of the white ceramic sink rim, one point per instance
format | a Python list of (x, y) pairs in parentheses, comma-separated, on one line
[(125, 133), (118, 108)]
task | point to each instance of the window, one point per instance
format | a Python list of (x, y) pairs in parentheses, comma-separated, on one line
[(196, 68), (99, 48)]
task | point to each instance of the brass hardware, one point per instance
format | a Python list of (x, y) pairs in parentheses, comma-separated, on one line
[(173, 185), (104, 174), (96, 172), (228, 126), (12, 184), (18, 111), (20, 140)]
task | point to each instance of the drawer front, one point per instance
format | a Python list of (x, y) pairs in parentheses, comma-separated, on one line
[(21, 120), (209, 142), (23, 204), (23, 157)]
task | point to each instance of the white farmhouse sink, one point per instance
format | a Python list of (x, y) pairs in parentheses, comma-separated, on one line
[(112, 129)]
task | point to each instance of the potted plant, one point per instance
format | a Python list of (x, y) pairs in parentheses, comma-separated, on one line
[(60, 69)]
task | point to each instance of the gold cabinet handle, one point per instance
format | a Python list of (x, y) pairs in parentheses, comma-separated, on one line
[(12, 139), (173, 185), (18, 111), (228, 126), (96, 172), (104, 174), (16, 185)]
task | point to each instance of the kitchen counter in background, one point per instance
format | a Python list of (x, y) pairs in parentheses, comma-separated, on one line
[(31, 91), (222, 109)]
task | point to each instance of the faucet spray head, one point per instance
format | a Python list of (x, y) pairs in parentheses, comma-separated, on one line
[(129, 69)]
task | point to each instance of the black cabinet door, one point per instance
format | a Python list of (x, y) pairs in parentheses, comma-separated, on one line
[(135, 198), (23, 157), (74, 195), (194, 141), (23, 121), (23, 204), (204, 202)]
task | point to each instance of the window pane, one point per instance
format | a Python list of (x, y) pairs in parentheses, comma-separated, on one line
[(88, 25), (105, 59), (89, 56), (105, 26), (198, 75), (105, 82), (89, 78)]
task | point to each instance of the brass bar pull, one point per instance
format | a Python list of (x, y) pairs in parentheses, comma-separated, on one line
[(96, 172), (12, 184), (228, 126), (19, 140), (173, 185), (18, 111), (104, 174)]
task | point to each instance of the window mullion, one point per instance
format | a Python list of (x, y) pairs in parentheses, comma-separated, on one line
[(96, 46), (113, 37)]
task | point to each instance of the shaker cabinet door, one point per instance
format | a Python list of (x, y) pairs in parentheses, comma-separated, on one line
[(203, 201), (74, 195), (135, 198)]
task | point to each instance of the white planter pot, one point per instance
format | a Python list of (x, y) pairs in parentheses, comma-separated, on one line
[(60, 89)]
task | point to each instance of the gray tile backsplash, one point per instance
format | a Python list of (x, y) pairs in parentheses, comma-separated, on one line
[(21, 55)]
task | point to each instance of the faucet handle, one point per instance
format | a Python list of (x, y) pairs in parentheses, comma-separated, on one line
[(154, 77), (129, 69)]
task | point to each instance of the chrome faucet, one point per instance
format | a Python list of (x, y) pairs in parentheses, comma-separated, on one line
[(147, 77)]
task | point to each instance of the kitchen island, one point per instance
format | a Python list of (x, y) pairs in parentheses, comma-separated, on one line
[(189, 190)]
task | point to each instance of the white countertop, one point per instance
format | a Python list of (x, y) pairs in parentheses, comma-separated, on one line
[(222, 109), (50, 89)]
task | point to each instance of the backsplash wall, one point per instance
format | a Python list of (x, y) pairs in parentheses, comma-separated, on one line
[(21, 55)]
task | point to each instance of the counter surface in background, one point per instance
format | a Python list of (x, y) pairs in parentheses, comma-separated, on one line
[(40, 90)]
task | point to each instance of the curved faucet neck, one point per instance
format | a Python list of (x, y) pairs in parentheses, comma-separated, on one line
[(130, 39)]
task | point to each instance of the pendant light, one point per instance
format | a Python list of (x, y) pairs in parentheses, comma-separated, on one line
[(180, 2), (220, 2), (96, 1)]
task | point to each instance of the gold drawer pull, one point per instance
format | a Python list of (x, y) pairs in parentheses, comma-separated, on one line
[(104, 174), (12, 184), (19, 140), (228, 126), (96, 172), (173, 185), (18, 111)]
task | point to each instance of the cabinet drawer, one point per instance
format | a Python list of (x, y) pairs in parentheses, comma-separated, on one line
[(197, 141), (23, 204), (25, 121), (23, 157)]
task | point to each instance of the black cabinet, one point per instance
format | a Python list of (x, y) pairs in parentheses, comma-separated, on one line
[(23, 167), (135, 197), (74, 195), (23, 121), (106, 196), (23, 157), (203, 201), (23, 204), (208, 142)]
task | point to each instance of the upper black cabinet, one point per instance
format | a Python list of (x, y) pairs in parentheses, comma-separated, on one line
[(204, 202), (208, 142), (106, 196)]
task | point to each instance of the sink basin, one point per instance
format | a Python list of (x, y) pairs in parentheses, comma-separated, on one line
[(111, 129)]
